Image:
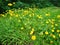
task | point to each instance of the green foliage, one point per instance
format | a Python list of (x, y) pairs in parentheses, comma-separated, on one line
[(27, 3), (16, 26), (22, 4), (55, 2), (15, 4)]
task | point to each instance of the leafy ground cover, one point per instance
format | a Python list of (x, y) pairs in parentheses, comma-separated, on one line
[(30, 26)]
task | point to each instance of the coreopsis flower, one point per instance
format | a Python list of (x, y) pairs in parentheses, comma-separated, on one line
[(58, 16), (46, 33), (39, 16), (54, 36), (47, 22), (52, 25), (16, 15), (47, 14), (33, 37), (32, 31), (22, 28), (59, 35), (58, 31), (3, 15), (52, 30), (51, 42), (19, 20), (56, 24), (13, 2)]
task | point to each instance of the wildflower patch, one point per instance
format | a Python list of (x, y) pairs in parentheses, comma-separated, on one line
[(26, 26)]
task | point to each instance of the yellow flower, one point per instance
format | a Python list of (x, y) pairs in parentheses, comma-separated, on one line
[(58, 31), (33, 37), (19, 20), (32, 31), (51, 42), (59, 35), (52, 25), (30, 15), (46, 33), (54, 36), (9, 4), (11, 14), (52, 30), (58, 16), (16, 15), (52, 22), (3, 15), (53, 19), (47, 22), (10, 11), (25, 12), (25, 24), (58, 20), (39, 16), (56, 24), (30, 8), (13, 2), (22, 28), (47, 14)]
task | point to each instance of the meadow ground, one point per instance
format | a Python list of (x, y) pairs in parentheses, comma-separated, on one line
[(30, 26)]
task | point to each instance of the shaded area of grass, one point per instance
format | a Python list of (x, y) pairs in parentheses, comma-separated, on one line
[(30, 27)]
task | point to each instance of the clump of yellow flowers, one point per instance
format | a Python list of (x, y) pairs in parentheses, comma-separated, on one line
[(33, 37), (32, 31), (10, 4), (53, 36), (32, 25)]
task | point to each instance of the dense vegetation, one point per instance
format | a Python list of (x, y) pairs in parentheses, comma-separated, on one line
[(10, 4), (30, 27), (29, 22)]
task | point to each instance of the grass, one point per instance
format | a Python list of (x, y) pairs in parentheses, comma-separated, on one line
[(30, 27)]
